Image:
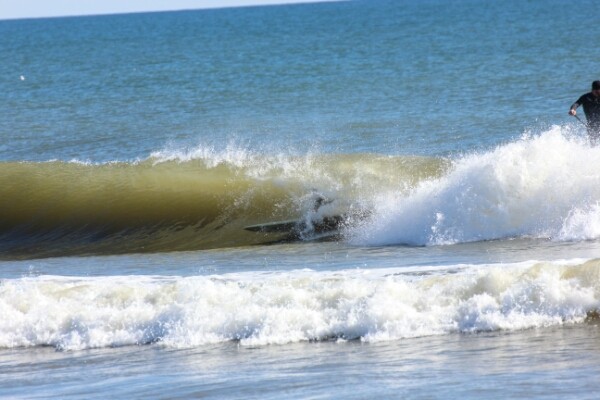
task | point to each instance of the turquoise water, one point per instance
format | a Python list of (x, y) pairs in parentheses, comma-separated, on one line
[(135, 148)]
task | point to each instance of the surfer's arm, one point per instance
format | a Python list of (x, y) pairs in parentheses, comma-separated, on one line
[(573, 109)]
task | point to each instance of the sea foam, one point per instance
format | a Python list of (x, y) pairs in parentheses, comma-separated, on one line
[(282, 307), (545, 186)]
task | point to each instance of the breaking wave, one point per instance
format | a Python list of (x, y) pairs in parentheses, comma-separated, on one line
[(71, 313), (182, 200), (544, 186)]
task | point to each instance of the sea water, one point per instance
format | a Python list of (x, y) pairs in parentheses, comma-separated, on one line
[(136, 148)]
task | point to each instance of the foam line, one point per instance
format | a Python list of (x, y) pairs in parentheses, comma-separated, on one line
[(277, 308)]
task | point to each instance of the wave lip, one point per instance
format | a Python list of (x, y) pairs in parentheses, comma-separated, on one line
[(277, 308)]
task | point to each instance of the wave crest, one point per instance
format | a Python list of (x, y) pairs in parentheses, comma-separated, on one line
[(545, 186)]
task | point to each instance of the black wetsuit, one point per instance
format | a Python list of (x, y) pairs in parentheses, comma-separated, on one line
[(591, 108)]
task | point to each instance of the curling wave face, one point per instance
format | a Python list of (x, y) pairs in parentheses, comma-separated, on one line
[(545, 186), (181, 200), (371, 305)]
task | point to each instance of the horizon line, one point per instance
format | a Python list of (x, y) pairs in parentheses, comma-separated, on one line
[(209, 7)]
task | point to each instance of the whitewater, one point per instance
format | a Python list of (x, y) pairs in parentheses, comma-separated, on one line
[(278, 308), (542, 186)]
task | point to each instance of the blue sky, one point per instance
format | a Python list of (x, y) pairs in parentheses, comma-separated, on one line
[(51, 8)]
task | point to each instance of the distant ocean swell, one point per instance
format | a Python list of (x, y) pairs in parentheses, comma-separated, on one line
[(71, 313), (544, 186)]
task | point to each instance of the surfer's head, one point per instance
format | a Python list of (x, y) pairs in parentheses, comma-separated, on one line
[(596, 88)]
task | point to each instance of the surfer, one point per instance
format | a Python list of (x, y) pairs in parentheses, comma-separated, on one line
[(591, 107)]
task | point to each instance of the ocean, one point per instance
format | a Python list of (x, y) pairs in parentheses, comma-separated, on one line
[(135, 149)]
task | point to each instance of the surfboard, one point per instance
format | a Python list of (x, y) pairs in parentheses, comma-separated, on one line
[(274, 227), (300, 228)]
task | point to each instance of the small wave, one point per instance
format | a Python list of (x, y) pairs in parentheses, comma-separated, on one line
[(277, 308)]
